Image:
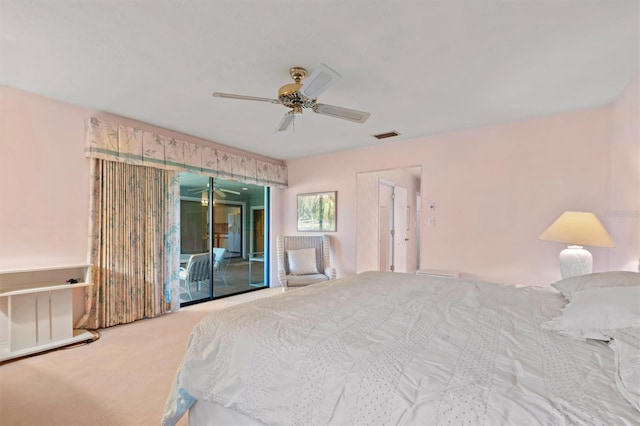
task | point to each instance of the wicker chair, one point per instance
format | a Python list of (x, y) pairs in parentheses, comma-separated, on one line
[(322, 247)]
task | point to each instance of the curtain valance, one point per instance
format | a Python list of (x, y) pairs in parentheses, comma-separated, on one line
[(116, 142)]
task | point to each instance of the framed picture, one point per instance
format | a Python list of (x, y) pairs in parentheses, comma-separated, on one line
[(317, 212)]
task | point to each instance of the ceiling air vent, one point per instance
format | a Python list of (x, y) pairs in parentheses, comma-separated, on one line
[(386, 135)]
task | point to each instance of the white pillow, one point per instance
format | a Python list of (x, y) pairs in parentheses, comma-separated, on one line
[(570, 286), (302, 262), (597, 313)]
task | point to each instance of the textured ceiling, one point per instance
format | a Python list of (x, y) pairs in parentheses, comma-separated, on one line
[(419, 68)]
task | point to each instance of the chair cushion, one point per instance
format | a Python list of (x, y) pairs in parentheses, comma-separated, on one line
[(302, 261), (302, 280)]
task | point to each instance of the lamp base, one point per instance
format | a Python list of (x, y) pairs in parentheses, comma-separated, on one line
[(575, 260)]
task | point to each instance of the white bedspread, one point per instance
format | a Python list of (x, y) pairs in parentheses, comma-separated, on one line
[(382, 348)]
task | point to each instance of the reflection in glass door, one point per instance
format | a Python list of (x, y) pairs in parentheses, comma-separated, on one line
[(235, 231), (227, 227), (225, 224), (256, 247), (195, 269)]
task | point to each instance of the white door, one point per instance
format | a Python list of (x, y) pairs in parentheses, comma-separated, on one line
[(400, 225), (385, 225)]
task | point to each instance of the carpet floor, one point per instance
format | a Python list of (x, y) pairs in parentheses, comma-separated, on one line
[(123, 378)]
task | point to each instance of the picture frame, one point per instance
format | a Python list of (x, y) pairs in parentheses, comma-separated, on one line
[(317, 211)]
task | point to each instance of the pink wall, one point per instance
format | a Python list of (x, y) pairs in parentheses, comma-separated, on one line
[(496, 189), (44, 180), (624, 211)]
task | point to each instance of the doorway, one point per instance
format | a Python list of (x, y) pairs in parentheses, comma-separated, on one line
[(221, 221), (378, 195), (393, 226), (385, 225)]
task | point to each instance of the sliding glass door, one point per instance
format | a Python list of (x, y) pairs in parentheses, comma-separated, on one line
[(223, 224)]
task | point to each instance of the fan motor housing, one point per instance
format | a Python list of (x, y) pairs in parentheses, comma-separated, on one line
[(289, 94)]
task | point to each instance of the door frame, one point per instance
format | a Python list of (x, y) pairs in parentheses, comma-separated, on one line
[(367, 193), (243, 236), (251, 229), (395, 237), (388, 227)]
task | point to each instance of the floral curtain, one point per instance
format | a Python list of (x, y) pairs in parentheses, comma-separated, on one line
[(135, 202), (115, 142), (134, 244)]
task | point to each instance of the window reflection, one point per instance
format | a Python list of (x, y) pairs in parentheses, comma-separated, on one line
[(233, 241)]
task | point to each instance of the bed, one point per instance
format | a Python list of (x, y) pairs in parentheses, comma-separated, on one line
[(387, 348)]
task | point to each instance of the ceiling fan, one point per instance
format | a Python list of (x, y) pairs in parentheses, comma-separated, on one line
[(220, 192), (299, 96)]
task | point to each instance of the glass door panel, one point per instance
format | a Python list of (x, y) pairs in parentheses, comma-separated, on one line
[(195, 256), (223, 230), (239, 228)]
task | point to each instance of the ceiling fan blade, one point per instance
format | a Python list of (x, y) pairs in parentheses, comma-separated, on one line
[(196, 190), (343, 113), (229, 191), (219, 193), (285, 123), (243, 97), (319, 81)]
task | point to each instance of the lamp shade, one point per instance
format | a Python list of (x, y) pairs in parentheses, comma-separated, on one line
[(578, 228)]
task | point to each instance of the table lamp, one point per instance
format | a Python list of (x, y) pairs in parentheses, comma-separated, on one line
[(577, 229)]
